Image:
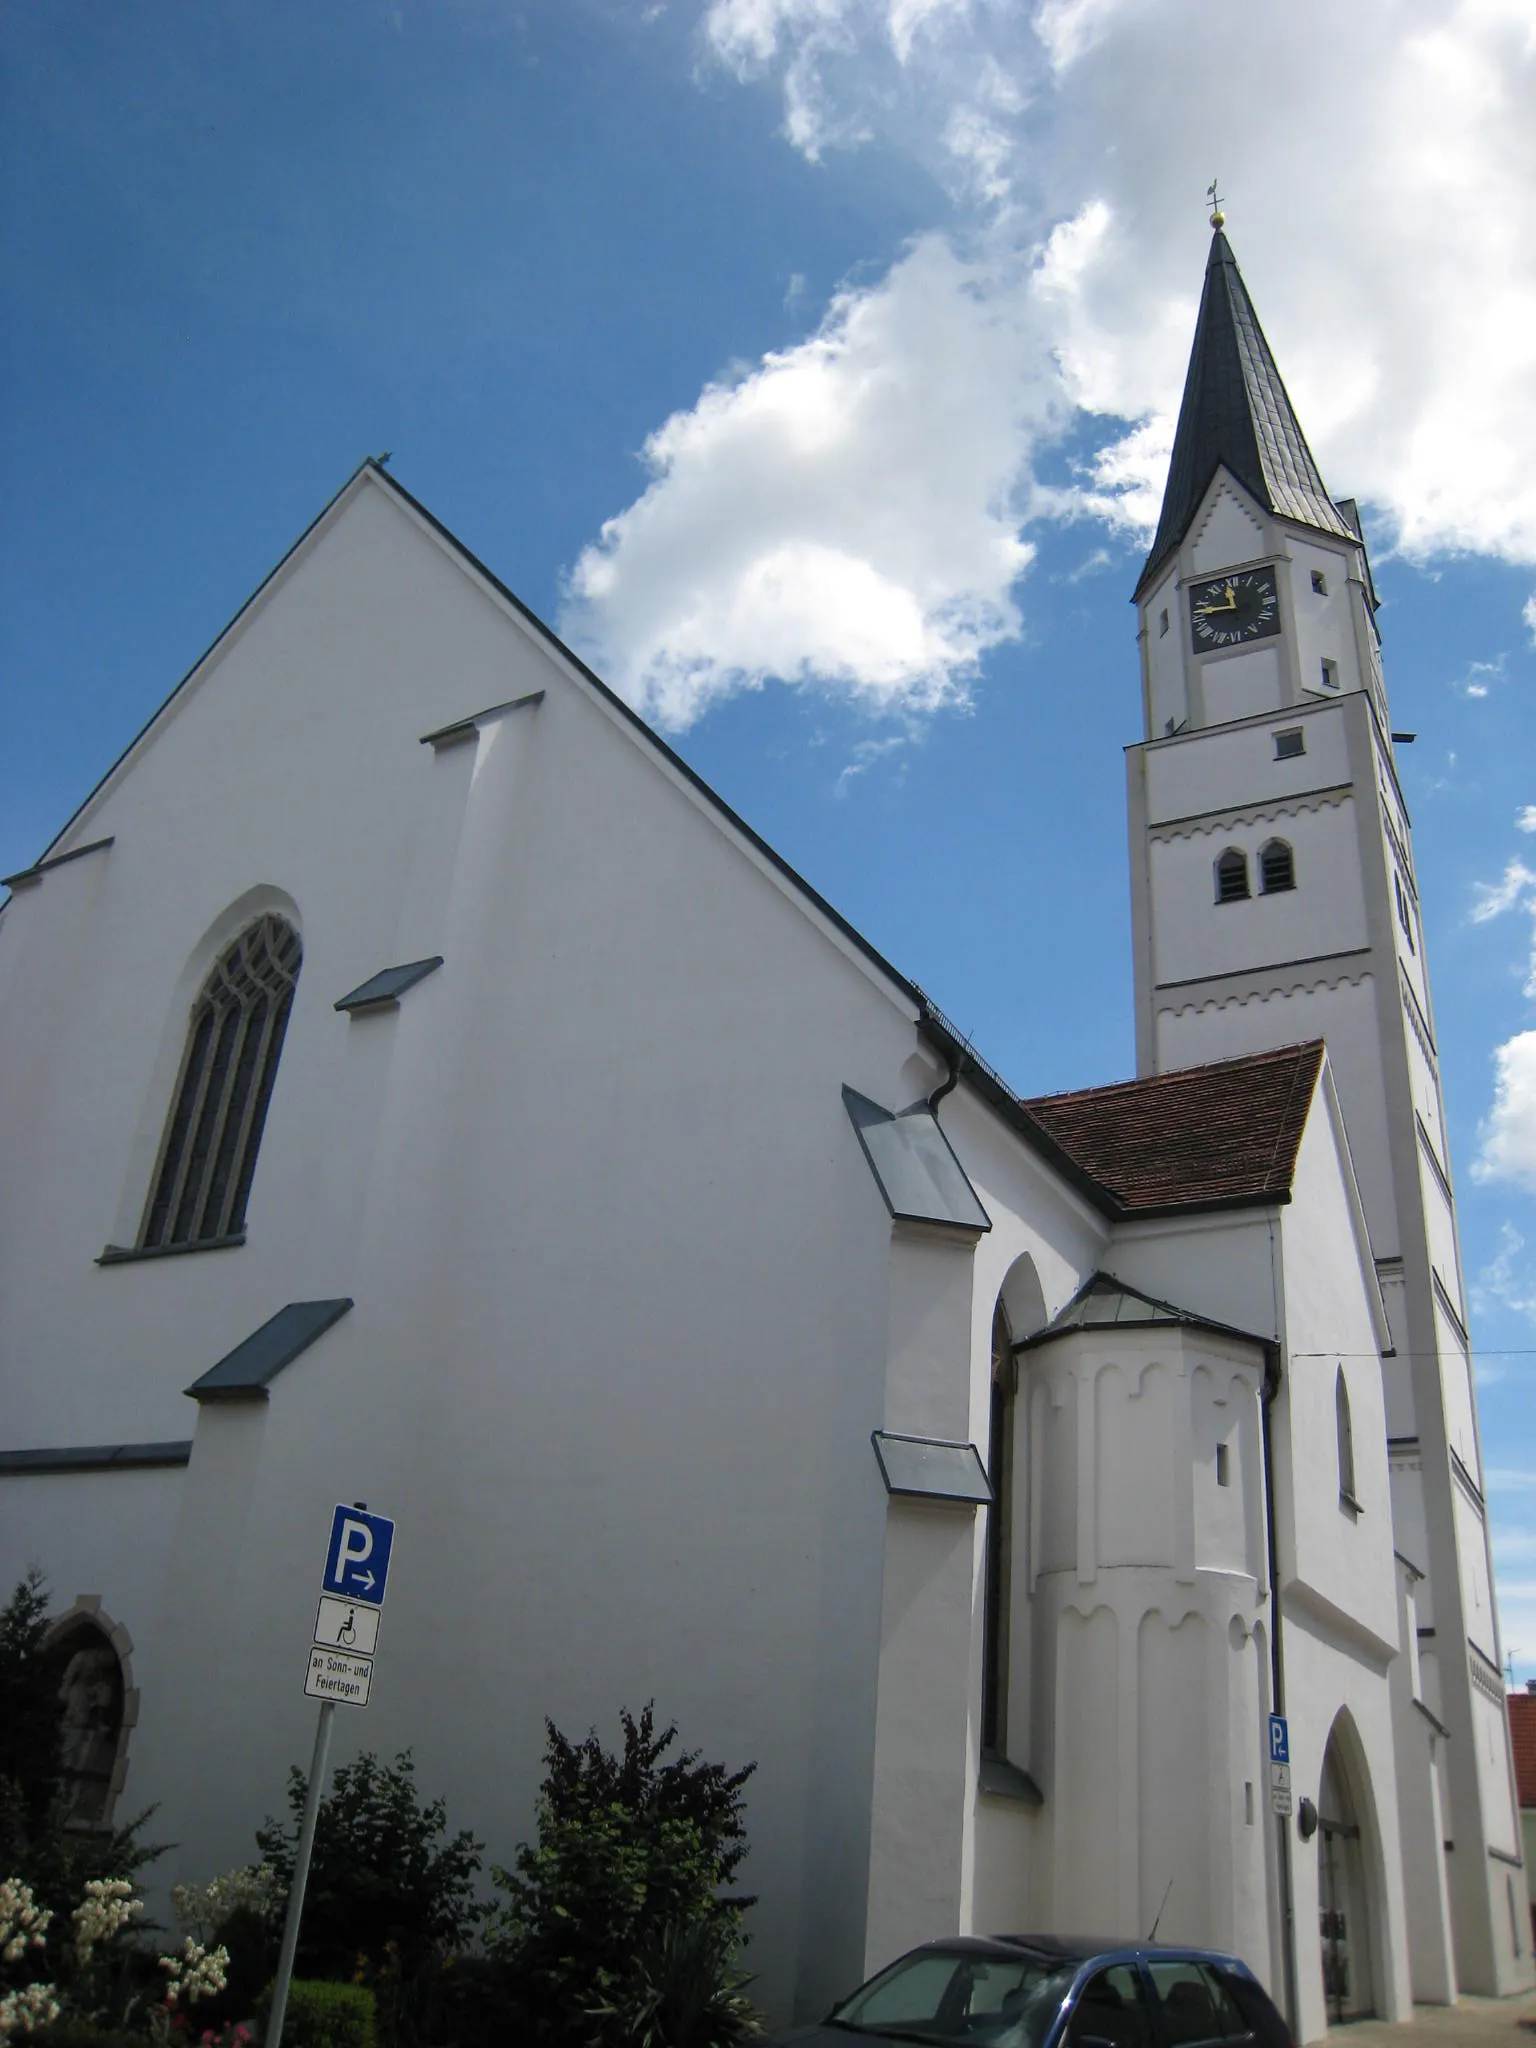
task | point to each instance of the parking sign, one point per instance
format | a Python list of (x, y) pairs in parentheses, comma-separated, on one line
[(357, 1561)]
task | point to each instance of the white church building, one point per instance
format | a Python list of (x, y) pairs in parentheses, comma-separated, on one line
[(417, 1087)]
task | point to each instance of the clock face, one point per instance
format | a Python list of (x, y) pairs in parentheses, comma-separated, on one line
[(1231, 609)]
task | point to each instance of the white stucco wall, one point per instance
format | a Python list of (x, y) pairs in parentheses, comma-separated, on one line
[(1236, 765), (621, 1272), (628, 1300), (1194, 935)]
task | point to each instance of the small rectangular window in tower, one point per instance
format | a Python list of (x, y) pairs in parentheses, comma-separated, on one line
[(1223, 1466), (1290, 743), (1248, 1802), (1330, 674), (1162, 622), (1319, 583), (1404, 911)]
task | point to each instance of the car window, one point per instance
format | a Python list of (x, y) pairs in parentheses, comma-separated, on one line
[(1196, 2006), (1253, 2002), (1111, 2009), (908, 1996), (960, 1996)]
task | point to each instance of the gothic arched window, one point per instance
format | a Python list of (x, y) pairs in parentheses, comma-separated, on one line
[(1346, 1436), (234, 1042), (1277, 868), (1232, 876), (994, 1654)]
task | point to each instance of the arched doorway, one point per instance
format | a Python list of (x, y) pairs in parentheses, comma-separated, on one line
[(1345, 1916)]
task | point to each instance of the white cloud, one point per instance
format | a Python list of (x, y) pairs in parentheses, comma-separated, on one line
[(1382, 195), (1508, 893), (1525, 818), (1508, 1281), (1507, 1136), (1515, 890), (1528, 613), (848, 512), (1478, 677), (1510, 1479)]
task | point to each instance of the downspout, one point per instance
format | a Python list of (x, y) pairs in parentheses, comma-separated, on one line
[(1277, 1682), (945, 1087)]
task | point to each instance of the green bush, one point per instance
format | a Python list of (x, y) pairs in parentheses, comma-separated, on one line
[(328, 2016), (390, 1898), (620, 1929), (81, 2033)]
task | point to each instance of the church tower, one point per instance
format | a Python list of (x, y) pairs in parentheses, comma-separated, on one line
[(1274, 900)]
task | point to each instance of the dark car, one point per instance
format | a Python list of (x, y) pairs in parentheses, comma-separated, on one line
[(1045, 1991)]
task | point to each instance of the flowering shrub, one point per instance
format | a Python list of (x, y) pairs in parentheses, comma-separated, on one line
[(108, 1906), (23, 1925), (34, 2005), (205, 1910), (23, 1922), (196, 1973)]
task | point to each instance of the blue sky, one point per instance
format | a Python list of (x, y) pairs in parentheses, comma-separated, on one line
[(810, 363)]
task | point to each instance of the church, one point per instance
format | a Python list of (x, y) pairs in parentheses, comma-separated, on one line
[(419, 1089)]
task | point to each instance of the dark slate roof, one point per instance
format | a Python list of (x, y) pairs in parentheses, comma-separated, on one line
[(245, 1373), (1204, 1137), (914, 1165), (1235, 411), (1105, 1301), (388, 985), (97, 1458), (931, 1468)]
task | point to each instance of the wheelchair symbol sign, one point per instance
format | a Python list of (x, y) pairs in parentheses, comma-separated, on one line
[(1279, 1740), (347, 1625)]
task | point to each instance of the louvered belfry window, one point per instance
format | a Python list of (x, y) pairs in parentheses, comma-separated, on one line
[(1232, 877), (234, 1043), (1277, 868)]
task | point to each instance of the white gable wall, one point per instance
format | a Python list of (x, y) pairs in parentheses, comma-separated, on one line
[(628, 1302)]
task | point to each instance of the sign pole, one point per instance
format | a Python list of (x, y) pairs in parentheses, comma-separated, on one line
[(340, 1668), (301, 1856)]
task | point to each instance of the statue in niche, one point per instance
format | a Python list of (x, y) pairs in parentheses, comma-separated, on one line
[(91, 1695)]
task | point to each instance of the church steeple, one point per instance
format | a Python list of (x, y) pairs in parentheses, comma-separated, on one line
[(1236, 412)]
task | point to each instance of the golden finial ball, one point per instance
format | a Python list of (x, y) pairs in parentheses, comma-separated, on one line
[(1218, 219)]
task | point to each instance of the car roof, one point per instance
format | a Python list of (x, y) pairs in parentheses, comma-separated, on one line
[(1083, 1948), (1072, 1947)]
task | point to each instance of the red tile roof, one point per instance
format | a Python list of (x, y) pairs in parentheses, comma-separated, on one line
[(1202, 1137), (1522, 1730)]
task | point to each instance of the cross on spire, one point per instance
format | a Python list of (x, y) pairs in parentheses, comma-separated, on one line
[(1213, 200)]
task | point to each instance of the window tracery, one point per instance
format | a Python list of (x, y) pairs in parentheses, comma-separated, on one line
[(213, 1134)]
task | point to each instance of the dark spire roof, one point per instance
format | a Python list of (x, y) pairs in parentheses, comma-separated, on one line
[(1235, 411)]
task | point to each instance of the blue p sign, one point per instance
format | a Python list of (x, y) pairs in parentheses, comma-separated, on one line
[(357, 1562), (1279, 1740)]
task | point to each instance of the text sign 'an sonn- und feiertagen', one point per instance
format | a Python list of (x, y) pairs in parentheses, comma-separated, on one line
[(335, 1675)]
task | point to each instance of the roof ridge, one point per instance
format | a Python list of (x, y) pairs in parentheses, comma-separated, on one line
[(1175, 1075), (1285, 1115)]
